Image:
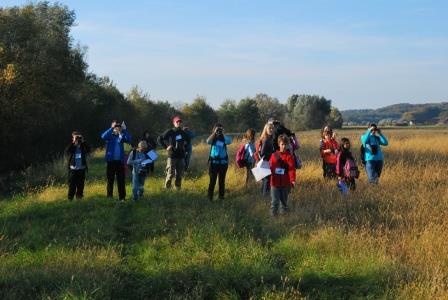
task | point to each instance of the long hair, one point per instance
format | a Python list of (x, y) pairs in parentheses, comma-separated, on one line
[(249, 136), (264, 133)]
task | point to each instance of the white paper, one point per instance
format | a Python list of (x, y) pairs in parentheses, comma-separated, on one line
[(260, 173), (263, 164), (152, 155)]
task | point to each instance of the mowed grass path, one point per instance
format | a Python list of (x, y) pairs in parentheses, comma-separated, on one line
[(386, 241)]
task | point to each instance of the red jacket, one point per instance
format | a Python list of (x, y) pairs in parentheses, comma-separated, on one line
[(329, 158), (289, 171)]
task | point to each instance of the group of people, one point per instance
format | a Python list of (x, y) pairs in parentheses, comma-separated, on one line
[(275, 150), (339, 162)]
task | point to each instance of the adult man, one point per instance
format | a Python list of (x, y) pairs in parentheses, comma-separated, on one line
[(372, 140), (175, 141), (115, 137)]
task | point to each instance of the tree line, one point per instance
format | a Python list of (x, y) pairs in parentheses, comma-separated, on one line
[(46, 92)]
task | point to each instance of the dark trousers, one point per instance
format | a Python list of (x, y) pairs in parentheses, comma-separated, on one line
[(115, 168), (217, 171), (329, 170), (76, 180)]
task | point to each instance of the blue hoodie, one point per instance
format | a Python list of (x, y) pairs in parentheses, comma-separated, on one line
[(112, 139), (368, 139)]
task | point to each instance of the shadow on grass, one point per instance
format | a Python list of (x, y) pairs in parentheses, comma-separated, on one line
[(193, 282), (325, 286)]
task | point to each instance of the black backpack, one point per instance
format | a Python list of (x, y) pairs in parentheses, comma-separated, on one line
[(362, 152)]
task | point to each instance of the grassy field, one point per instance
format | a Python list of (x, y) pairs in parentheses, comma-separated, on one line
[(381, 242)]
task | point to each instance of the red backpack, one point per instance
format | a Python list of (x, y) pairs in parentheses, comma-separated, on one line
[(240, 158), (257, 151), (350, 169)]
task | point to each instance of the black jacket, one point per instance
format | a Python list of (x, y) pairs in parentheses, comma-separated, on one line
[(70, 150), (178, 139), (279, 129), (267, 148)]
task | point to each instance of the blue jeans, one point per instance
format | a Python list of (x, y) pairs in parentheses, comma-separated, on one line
[(137, 186), (266, 185), (373, 170), (279, 196)]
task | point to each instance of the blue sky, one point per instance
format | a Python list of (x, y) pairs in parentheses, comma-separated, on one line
[(359, 54)]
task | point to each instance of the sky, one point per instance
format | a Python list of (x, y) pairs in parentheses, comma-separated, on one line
[(359, 54)]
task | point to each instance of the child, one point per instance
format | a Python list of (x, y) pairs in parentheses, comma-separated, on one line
[(249, 139), (77, 165), (346, 168), (139, 171), (328, 152), (283, 176)]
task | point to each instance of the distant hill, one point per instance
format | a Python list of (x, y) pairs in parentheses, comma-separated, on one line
[(400, 114)]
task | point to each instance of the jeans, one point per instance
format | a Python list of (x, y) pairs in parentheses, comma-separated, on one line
[(373, 170), (76, 180), (266, 185), (115, 168), (174, 169), (279, 195), (217, 171), (137, 186)]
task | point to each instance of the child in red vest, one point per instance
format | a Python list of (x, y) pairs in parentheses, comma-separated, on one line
[(283, 176), (328, 152)]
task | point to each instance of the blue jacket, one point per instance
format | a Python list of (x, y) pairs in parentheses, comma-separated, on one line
[(111, 139), (368, 140), (218, 151)]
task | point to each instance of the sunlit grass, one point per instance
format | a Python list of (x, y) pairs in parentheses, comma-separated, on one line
[(385, 241)]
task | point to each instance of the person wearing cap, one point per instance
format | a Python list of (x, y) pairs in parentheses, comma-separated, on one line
[(115, 137), (372, 140), (175, 141)]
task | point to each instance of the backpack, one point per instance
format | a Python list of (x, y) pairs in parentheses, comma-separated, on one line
[(257, 151), (240, 158), (362, 152), (350, 169)]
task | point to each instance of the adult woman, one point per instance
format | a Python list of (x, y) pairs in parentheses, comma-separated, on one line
[(219, 160), (372, 140), (328, 151), (266, 145)]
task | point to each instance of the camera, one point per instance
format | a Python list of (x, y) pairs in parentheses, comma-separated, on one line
[(219, 130)]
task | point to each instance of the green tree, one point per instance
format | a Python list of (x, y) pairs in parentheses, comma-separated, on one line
[(269, 107), (335, 119), (309, 111), (199, 115), (41, 75), (248, 115), (227, 115)]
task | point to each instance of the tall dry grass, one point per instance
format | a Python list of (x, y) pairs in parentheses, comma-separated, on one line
[(381, 241)]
